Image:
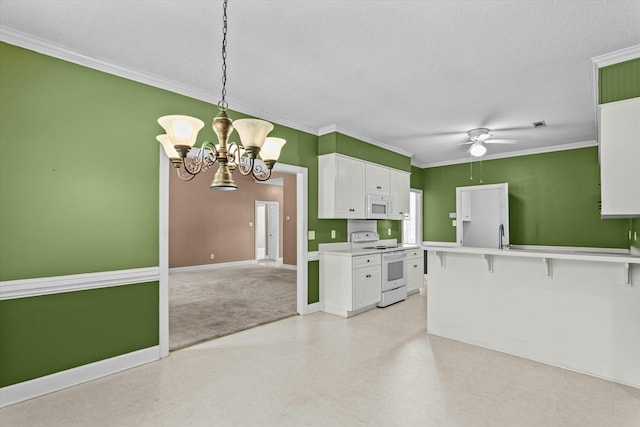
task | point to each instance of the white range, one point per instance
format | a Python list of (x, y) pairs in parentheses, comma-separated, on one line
[(367, 272)]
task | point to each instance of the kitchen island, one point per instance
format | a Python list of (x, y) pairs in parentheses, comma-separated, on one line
[(571, 308)]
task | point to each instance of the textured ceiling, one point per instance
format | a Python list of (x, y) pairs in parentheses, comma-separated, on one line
[(415, 75)]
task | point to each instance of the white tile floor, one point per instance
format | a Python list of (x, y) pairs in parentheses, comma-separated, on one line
[(378, 368)]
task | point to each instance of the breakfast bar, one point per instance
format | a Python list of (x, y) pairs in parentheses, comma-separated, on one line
[(570, 307)]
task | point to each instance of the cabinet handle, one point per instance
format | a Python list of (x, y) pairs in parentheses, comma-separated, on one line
[(368, 260), (368, 275), (415, 266), (379, 188)]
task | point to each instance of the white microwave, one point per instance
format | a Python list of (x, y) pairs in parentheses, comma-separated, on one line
[(378, 207)]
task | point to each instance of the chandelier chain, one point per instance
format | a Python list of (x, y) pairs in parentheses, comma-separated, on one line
[(223, 102)]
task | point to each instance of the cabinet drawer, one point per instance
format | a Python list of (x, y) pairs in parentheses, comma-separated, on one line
[(366, 260), (415, 253)]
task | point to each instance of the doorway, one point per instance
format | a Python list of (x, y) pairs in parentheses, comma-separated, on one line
[(303, 306), (412, 225), (267, 231)]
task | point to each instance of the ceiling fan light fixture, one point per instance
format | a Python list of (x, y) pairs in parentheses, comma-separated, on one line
[(477, 149)]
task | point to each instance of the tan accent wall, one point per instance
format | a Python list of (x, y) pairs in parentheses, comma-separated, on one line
[(204, 221)]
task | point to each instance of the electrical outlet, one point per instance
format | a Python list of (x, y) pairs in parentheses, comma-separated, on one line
[(312, 235), (212, 256), (452, 215), (333, 234), (250, 224), (454, 223), (388, 232)]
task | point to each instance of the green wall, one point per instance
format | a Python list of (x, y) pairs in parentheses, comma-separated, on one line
[(417, 178), (619, 81), (553, 199), (338, 143), (77, 192), (50, 333)]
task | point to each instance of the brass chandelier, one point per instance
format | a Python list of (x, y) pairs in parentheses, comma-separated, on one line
[(182, 131)]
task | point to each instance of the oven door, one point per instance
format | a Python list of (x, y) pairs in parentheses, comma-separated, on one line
[(394, 270)]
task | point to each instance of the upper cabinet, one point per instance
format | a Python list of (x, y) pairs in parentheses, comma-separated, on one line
[(377, 180), (344, 182), (620, 158), (399, 184), (341, 183)]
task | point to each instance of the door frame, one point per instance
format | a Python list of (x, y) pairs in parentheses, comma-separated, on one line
[(266, 204), (302, 305), (419, 216), (504, 199)]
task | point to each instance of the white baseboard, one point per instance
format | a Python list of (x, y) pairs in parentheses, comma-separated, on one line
[(313, 308), (48, 384), (212, 266), (290, 267)]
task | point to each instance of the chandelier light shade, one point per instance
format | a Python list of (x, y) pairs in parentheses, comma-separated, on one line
[(271, 149), (182, 133), (477, 149)]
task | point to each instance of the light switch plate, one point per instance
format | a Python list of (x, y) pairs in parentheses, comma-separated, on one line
[(452, 215), (454, 223), (333, 234), (312, 235)]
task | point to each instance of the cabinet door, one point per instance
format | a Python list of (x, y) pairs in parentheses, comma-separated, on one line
[(366, 287), (399, 183), (377, 179), (356, 188), (349, 182), (415, 273), (620, 158), (342, 184)]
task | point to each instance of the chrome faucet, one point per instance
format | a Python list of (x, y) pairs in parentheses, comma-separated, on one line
[(501, 236)]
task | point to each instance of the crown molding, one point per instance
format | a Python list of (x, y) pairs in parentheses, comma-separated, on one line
[(621, 55), (540, 150), (335, 128), (48, 48)]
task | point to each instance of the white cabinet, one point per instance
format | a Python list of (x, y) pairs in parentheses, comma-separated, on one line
[(349, 285), (620, 158), (399, 184), (344, 182), (415, 270), (340, 187), (377, 180)]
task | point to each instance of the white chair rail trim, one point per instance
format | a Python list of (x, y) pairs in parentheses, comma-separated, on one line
[(11, 289)]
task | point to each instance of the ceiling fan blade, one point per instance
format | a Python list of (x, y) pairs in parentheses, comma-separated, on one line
[(501, 141)]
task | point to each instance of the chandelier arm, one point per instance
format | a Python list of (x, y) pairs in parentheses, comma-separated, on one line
[(182, 176), (188, 163), (259, 172), (244, 171), (233, 153)]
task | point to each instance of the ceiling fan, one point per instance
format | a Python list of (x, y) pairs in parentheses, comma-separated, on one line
[(481, 136)]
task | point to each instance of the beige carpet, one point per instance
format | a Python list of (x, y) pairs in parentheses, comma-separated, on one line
[(212, 303)]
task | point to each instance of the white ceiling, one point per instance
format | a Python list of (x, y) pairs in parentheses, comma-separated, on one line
[(415, 75)]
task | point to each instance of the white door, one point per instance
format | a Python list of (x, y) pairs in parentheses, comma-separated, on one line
[(261, 231), (272, 231), (267, 228)]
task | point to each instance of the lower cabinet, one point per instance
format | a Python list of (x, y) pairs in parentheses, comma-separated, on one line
[(349, 285), (415, 270)]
